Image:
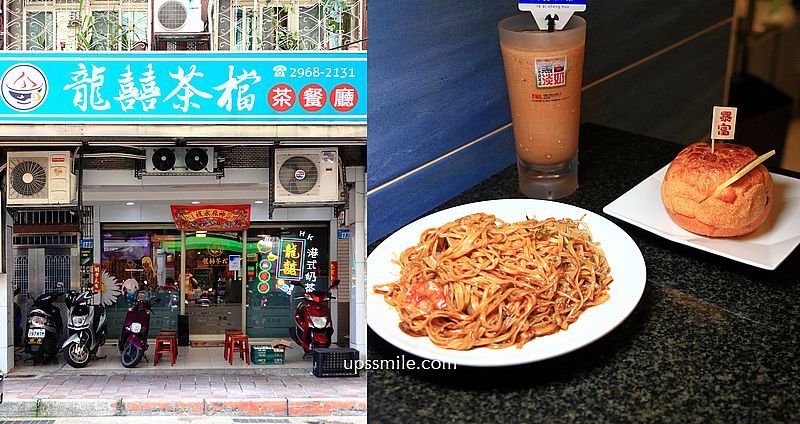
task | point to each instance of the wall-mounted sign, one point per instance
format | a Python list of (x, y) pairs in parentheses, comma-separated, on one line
[(234, 262), (87, 252), (343, 234), (334, 270), (211, 217), (201, 88), (291, 259), (96, 282)]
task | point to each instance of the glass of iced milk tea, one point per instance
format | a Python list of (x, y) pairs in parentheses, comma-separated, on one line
[(543, 74)]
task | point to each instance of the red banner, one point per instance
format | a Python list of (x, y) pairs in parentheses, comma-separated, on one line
[(334, 271), (211, 217), (96, 284)]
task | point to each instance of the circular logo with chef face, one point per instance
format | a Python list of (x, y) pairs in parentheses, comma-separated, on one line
[(23, 87)]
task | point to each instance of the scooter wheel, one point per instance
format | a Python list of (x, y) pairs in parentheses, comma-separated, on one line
[(131, 355), (76, 356)]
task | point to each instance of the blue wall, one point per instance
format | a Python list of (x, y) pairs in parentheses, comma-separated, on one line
[(438, 111)]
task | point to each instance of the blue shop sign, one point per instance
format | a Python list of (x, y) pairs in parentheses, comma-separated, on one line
[(343, 234), (179, 88)]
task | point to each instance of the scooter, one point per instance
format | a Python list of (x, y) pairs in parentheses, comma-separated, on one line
[(87, 329), (43, 328), (313, 327), (133, 338)]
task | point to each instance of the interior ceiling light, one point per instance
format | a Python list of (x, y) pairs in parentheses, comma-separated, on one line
[(130, 203), (195, 202)]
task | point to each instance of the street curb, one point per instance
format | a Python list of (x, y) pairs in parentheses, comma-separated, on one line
[(19, 408), (77, 407), (134, 407), (303, 407), (274, 407), (238, 407)]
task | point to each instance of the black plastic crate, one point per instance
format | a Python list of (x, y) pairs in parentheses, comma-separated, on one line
[(335, 362)]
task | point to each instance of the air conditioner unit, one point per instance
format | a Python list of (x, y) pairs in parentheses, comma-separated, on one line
[(180, 161), (304, 176), (177, 16), (40, 178)]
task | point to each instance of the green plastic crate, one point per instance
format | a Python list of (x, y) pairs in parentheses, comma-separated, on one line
[(266, 355)]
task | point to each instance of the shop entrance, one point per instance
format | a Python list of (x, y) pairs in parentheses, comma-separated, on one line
[(213, 284)]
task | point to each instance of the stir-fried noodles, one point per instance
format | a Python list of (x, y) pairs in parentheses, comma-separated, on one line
[(480, 282)]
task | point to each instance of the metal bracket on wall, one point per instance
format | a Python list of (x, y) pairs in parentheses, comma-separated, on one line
[(271, 200), (80, 190)]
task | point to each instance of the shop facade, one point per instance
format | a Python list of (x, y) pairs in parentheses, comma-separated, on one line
[(276, 159)]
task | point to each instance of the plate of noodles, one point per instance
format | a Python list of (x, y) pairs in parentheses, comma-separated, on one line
[(503, 282)]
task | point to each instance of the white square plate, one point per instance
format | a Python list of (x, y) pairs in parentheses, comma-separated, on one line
[(765, 248)]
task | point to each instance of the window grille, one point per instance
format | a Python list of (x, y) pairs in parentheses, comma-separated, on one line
[(21, 274), (56, 270)]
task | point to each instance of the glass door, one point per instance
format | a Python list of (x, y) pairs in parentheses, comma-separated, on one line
[(213, 287), (282, 262)]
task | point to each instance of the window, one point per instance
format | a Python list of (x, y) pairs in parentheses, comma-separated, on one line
[(107, 31), (142, 263), (21, 274), (63, 25), (135, 21), (311, 27), (56, 273), (289, 24), (39, 30)]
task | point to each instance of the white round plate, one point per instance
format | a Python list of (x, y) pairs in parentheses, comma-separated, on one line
[(624, 257)]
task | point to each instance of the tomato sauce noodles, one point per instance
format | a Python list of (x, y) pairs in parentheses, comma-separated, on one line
[(480, 282)]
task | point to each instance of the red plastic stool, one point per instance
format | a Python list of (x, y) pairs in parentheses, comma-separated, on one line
[(228, 334), (165, 344), (239, 343), (174, 335)]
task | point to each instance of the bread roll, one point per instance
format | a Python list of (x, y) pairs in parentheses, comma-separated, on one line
[(694, 175)]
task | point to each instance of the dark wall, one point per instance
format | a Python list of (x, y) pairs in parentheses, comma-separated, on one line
[(438, 114)]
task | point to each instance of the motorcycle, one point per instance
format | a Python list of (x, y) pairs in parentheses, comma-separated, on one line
[(313, 327), (87, 329), (133, 338), (43, 328)]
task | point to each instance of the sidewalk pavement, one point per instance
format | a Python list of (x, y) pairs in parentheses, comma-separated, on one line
[(194, 419), (238, 392), (202, 382)]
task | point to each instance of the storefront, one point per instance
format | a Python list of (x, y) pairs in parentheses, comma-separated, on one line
[(282, 135), (279, 260)]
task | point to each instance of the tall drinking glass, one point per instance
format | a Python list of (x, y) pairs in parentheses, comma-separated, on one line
[(543, 75)]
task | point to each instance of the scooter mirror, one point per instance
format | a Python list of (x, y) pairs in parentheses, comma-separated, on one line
[(334, 285), (69, 298)]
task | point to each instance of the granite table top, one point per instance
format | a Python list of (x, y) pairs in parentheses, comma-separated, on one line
[(711, 340)]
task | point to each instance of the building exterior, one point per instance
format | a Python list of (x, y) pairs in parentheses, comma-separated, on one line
[(217, 152)]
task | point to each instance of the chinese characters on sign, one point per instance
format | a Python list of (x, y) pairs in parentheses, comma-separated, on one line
[(211, 217), (199, 87), (300, 259), (291, 259), (96, 288), (724, 123), (312, 262)]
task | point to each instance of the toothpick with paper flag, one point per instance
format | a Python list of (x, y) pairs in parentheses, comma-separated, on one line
[(723, 124)]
